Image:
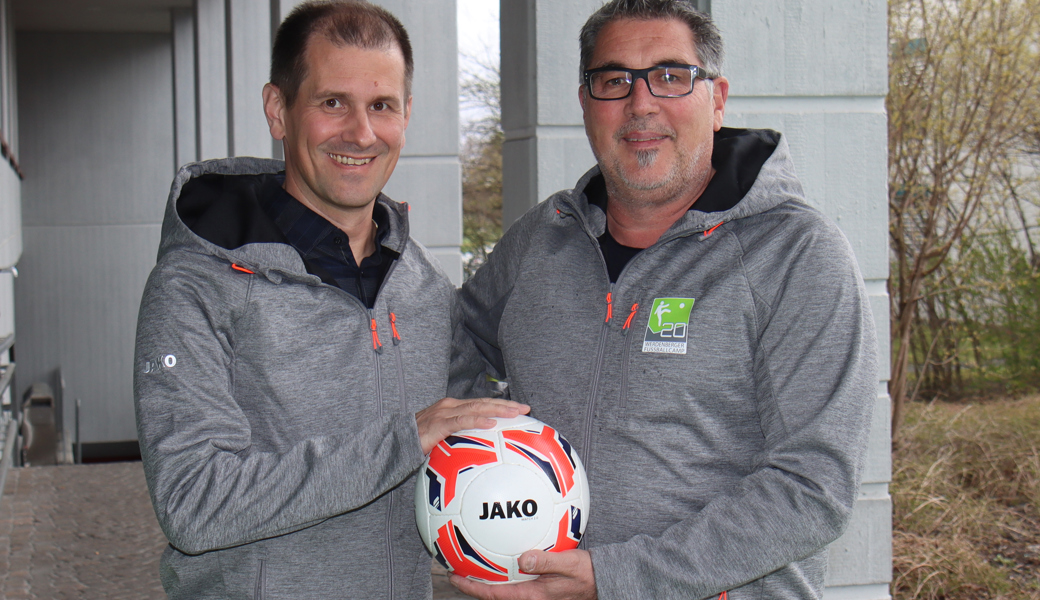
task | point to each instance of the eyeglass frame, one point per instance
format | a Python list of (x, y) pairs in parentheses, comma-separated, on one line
[(644, 74)]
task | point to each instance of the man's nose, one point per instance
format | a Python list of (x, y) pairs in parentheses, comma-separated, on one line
[(357, 129), (640, 100)]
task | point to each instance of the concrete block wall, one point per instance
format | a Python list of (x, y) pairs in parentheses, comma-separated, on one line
[(815, 70)]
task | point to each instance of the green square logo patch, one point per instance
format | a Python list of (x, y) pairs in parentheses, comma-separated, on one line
[(668, 325)]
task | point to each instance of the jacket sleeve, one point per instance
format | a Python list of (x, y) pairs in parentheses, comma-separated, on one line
[(476, 360), (816, 383), (211, 488)]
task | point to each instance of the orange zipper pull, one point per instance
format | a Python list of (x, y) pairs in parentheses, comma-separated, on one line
[(712, 230), (610, 308), (393, 327), (376, 344), (243, 269), (628, 321)]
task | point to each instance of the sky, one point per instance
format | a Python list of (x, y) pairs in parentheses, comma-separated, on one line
[(478, 38), (478, 28)]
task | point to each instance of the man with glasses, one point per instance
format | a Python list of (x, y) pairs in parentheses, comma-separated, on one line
[(697, 331)]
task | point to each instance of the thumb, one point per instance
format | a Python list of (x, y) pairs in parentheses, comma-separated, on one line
[(536, 562)]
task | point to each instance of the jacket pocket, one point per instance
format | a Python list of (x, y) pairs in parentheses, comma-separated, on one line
[(260, 590)]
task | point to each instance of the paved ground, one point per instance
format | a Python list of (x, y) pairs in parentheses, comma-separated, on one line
[(88, 532)]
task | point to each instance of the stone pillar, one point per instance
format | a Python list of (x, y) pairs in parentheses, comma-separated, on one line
[(211, 79), (249, 61), (428, 175), (545, 149), (815, 70), (184, 117)]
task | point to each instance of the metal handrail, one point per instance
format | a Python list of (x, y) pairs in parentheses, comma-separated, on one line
[(6, 376), (6, 371)]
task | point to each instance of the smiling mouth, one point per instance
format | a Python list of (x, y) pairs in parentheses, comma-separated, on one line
[(346, 160), (649, 138)]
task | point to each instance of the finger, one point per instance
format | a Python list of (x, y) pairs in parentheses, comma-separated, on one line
[(483, 591), (495, 407), (538, 562)]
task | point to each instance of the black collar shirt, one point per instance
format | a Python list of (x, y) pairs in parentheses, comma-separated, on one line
[(325, 249)]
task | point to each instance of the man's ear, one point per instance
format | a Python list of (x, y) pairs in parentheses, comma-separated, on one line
[(720, 95), (274, 110), (582, 98)]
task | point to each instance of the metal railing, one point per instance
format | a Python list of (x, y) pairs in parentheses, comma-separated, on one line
[(6, 378)]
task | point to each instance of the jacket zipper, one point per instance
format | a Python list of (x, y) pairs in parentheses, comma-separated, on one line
[(390, 544), (624, 356), (400, 362), (377, 349), (597, 368), (261, 582)]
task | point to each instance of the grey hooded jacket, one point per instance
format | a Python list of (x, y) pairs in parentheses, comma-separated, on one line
[(278, 436), (729, 467)]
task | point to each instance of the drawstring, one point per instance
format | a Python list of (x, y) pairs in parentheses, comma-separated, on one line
[(376, 345), (628, 321), (723, 595), (706, 234), (243, 269), (393, 327), (610, 308)]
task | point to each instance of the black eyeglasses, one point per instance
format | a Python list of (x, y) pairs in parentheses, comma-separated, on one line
[(664, 81)]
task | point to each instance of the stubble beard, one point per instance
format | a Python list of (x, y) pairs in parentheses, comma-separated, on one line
[(629, 188)]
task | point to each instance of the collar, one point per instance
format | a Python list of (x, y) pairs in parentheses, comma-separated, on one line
[(305, 229), (737, 157)]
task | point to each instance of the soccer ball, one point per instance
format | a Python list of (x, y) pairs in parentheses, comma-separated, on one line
[(486, 496)]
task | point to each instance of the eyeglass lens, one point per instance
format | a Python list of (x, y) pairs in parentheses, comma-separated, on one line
[(663, 81)]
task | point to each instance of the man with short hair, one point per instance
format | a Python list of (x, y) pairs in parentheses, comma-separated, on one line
[(698, 333), (293, 341)]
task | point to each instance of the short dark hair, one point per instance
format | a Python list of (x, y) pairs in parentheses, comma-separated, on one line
[(706, 37), (344, 23)]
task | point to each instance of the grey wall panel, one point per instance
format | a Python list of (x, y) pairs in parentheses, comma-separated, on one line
[(869, 534), (541, 115), (184, 85), (78, 294), (805, 47), (284, 7), (827, 139), (433, 188), (6, 305), (10, 216), (558, 59), (99, 108), (431, 25), (249, 25), (211, 80), (451, 260)]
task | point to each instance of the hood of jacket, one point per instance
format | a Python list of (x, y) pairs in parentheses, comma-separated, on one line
[(762, 189), (214, 208)]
